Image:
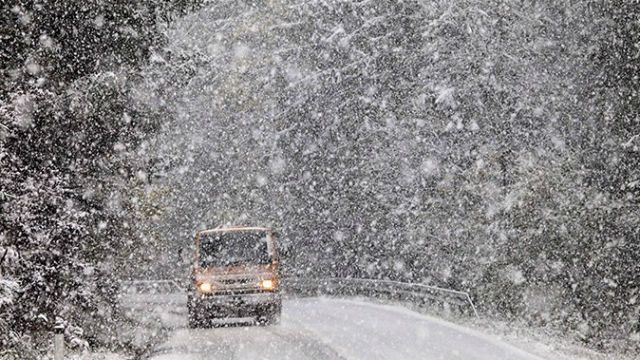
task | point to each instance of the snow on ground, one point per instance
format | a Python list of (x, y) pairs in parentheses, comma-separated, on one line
[(97, 356), (324, 328), (546, 342)]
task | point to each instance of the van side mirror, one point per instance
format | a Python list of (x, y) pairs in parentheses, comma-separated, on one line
[(183, 255)]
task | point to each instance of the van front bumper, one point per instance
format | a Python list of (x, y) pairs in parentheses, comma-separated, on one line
[(231, 305)]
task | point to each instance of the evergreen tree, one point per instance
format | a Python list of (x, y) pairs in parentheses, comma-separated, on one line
[(69, 133)]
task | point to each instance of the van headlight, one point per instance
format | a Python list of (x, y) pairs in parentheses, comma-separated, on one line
[(205, 287), (267, 284)]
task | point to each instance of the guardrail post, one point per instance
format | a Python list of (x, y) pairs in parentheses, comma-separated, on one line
[(58, 343), (475, 312)]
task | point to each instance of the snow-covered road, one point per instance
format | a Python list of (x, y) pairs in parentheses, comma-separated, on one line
[(325, 328)]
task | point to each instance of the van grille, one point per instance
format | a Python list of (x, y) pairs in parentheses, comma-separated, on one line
[(236, 292), (237, 282), (239, 285)]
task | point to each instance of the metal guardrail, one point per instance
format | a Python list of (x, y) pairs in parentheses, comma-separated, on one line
[(419, 294), (165, 286)]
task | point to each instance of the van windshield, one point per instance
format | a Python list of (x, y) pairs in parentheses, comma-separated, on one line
[(233, 248)]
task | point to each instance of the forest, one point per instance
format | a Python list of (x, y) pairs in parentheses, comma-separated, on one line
[(489, 146)]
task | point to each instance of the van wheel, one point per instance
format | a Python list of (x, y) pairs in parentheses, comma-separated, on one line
[(193, 322), (273, 319), (270, 317), (192, 315)]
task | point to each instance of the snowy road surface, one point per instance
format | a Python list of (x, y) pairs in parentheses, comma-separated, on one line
[(323, 328)]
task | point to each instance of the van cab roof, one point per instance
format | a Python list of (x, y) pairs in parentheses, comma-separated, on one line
[(234, 228)]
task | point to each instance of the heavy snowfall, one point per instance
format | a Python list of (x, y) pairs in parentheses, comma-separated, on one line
[(448, 179)]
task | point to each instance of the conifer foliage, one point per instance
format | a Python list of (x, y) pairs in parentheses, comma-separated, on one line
[(69, 136)]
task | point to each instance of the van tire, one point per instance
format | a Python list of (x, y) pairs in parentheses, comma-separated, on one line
[(274, 318), (193, 319), (271, 316), (193, 322)]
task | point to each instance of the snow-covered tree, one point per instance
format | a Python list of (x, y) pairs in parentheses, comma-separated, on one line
[(70, 138)]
